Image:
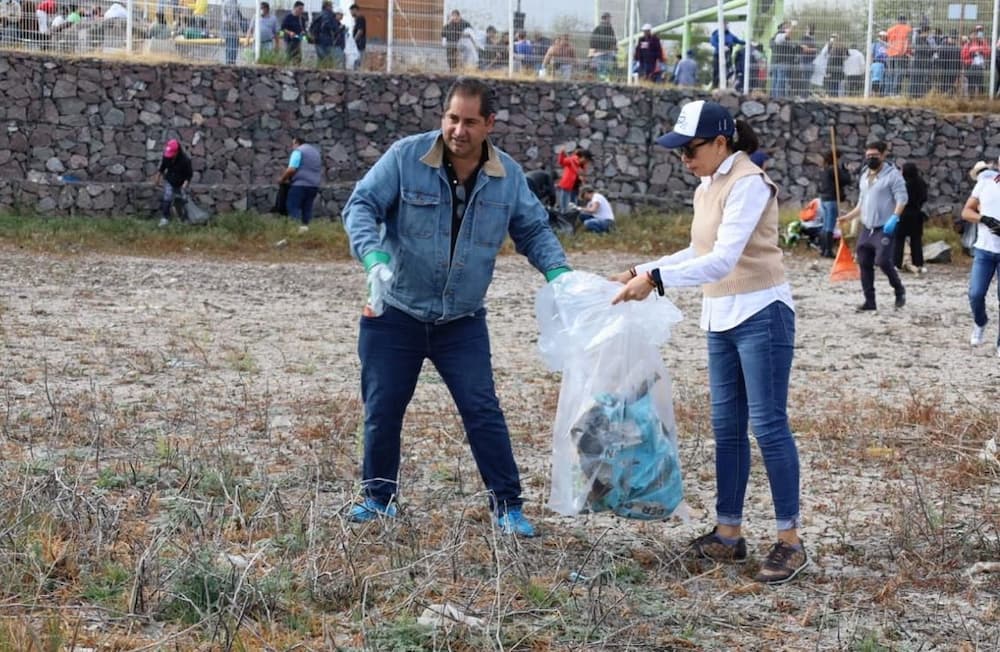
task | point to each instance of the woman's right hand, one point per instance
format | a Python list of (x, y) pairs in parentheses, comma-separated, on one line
[(622, 278)]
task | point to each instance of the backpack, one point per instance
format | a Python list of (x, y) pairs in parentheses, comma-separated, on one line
[(314, 27)]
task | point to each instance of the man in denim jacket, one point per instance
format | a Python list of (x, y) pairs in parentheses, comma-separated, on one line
[(427, 221)]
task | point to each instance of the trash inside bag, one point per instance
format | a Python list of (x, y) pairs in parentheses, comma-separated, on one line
[(614, 441)]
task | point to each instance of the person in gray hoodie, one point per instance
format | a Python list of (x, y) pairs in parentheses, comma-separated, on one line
[(882, 198)]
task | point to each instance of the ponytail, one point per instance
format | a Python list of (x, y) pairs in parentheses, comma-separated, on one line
[(745, 139)]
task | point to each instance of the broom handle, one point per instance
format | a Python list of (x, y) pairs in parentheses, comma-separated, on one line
[(836, 165)]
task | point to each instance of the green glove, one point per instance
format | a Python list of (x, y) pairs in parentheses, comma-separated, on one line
[(373, 258), (553, 274)]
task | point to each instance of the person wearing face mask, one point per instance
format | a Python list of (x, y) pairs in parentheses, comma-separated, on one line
[(748, 313), (881, 201)]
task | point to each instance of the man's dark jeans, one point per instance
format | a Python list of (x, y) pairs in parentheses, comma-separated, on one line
[(875, 248), (392, 348)]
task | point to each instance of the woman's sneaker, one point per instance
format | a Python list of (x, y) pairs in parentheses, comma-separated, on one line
[(710, 546), (782, 564), (977, 335)]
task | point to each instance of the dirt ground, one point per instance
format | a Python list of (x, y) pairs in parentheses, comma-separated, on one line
[(129, 384)]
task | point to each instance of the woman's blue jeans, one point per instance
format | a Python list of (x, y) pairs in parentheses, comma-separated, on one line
[(829, 209), (748, 370), (985, 266), (392, 348), (300, 203)]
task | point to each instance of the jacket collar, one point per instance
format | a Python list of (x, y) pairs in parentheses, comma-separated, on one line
[(492, 167)]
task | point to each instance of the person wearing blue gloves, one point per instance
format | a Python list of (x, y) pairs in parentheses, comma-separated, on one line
[(881, 201), (427, 222)]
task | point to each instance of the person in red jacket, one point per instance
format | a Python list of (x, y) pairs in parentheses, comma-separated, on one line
[(573, 166), (975, 60)]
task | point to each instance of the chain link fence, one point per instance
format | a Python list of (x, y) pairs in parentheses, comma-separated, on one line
[(782, 48)]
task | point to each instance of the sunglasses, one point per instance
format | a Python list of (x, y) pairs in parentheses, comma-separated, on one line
[(691, 149)]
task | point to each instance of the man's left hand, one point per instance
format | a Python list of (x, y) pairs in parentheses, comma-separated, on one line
[(635, 290)]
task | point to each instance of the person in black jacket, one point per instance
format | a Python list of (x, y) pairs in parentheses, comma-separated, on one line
[(911, 222), (175, 170), (829, 208)]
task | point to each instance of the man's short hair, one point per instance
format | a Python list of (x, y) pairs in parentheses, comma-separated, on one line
[(471, 87), (586, 190), (352, 7), (877, 144), (265, 5), (327, 4), (298, 3)]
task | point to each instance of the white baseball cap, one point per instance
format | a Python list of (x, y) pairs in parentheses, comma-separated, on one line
[(646, 27)]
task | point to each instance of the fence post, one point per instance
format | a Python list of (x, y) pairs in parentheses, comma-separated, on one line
[(993, 45), (256, 35), (130, 5), (869, 48), (721, 31), (388, 38), (630, 30), (510, 38), (748, 48)]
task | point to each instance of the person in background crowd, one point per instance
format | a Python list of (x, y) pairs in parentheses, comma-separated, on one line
[(323, 30), (975, 58), (360, 34), (231, 29), (339, 41), (304, 173), (649, 54), (43, 10), (559, 60), (836, 55), (983, 208), (426, 298), (882, 198), (452, 34), (176, 172), (468, 50), (924, 54), (523, 52), (749, 316), (603, 47), (722, 47), (898, 52), (268, 29), (596, 215), (911, 222), (828, 206), (807, 57), (686, 71), (880, 56), (785, 56), (293, 28), (570, 182), (854, 73)]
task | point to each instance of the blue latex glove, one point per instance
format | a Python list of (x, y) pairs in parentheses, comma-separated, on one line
[(890, 226)]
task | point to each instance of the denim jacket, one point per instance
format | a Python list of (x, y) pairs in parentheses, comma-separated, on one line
[(403, 207)]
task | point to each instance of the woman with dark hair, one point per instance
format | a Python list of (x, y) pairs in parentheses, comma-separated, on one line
[(748, 313), (911, 221), (176, 172), (828, 196)]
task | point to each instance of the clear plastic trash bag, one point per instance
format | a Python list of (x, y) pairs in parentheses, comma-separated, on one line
[(614, 443)]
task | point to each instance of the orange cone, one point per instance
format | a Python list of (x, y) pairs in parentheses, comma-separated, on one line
[(844, 267)]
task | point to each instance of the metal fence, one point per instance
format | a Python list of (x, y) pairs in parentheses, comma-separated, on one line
[(860, 48)]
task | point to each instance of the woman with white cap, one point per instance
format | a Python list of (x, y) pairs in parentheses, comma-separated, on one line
[(748, 313)]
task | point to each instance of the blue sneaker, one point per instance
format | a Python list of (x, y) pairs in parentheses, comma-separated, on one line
[(370, 510), (513, 522)]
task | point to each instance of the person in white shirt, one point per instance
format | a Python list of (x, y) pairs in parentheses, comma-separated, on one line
[(748, 312), (596, 215), (983, 208)]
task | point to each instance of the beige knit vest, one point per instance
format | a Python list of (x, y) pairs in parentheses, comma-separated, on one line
[(760, 266)]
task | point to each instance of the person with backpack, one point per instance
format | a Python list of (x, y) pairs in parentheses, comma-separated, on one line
[(911, 222), (828, 196), (322, 32), (176, 172)]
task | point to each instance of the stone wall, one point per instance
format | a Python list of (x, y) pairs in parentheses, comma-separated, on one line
[(102, 124)]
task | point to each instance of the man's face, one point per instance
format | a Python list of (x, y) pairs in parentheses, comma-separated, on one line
[(455, 16), (297, 10), (464, 128), (605, 19), (264, 10), (873, 153)]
